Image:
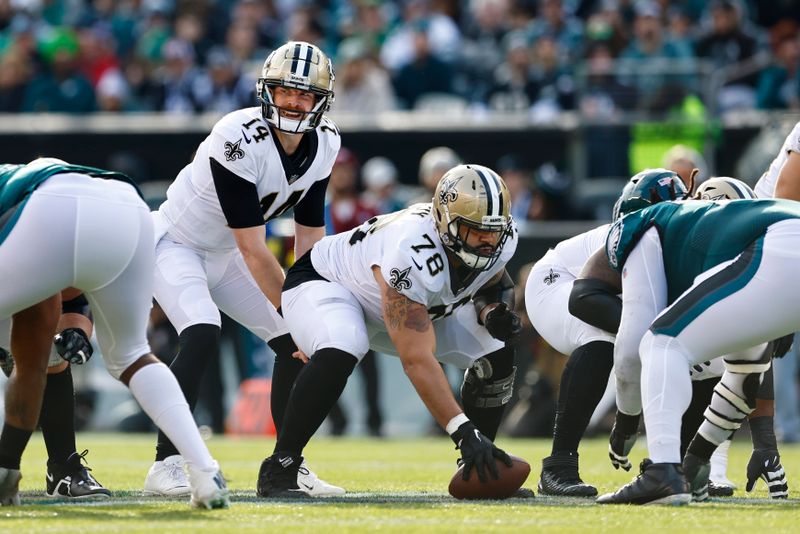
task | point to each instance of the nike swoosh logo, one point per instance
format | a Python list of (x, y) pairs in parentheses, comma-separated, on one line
[(246, 139), (306, 486), (49, 477), (417, 265)]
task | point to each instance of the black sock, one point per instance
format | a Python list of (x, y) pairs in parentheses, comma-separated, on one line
[(487, 419), (196, 345), (284, 374), (583, 383), (13, 441), (701, 447), (369, 371), (57, 418), (702, 391), (322, 379)]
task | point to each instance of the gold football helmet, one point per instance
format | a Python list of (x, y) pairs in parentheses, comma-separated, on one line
[(470, 198), (296, 65)]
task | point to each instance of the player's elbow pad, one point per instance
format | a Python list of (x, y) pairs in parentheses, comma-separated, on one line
[(596, 303)]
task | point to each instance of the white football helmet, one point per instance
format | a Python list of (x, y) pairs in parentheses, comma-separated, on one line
[(296, 65), (472, 197), (722, 188)]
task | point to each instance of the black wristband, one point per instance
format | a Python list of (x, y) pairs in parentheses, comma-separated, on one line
[(762, 432), (627, 424)]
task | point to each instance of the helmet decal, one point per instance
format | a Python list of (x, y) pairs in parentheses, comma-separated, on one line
[(449, 193)]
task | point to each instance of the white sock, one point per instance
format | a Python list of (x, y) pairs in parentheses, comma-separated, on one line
[(719, 462), (666, 393), (157, 391)]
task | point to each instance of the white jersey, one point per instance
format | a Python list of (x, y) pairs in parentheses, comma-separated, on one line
[(765, 188), (242, 143), (406, 246), (571, 254)]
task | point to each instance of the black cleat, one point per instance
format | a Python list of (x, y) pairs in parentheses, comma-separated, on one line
[(523, 493), (277, 478), (560, 477), (719, 490), (660, 483), (72, 480), (697, 471)]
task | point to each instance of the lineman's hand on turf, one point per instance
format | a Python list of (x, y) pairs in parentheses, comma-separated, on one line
[(478, 451), (766, 465), (73, 345)]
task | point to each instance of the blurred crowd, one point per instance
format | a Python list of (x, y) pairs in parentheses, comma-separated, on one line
[(536, 56)]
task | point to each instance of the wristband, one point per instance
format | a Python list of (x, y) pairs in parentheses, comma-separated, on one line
[(762, 432), (456, 422)]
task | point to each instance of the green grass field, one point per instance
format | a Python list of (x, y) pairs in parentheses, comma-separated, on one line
[(393, 486)]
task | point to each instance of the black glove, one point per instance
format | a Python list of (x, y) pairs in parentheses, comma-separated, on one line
[(73, 345), (782, 345), (766, 464), (622, 439), (503, 323), (478, 451), (6, 362)]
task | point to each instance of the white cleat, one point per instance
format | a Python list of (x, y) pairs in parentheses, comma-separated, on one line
[(9, 486), (719, 465), (167, 478), (209, 489), (311, 484)]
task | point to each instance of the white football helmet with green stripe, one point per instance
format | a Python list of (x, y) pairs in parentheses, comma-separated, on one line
[(724, 188)]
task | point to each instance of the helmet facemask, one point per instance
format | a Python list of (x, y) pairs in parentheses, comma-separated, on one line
[(476, 257), (302, 66)]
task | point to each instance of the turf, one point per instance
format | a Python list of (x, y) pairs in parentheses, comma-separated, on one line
[(393, 486)]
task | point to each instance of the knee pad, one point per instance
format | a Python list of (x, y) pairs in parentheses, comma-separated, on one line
[(758, 361), (743, 404), (489, 383)]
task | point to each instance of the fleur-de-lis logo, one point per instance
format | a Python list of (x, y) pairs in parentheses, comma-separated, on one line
[(552, 277), (448, 193), (399, 279), (233, 151)]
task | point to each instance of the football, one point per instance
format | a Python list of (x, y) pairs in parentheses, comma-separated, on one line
[(510, 480)]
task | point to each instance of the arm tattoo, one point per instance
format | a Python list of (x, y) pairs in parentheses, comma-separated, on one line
[(400, 311)]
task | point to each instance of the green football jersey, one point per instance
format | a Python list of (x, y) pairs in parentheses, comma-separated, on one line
[(696, 234), (18, 181)]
